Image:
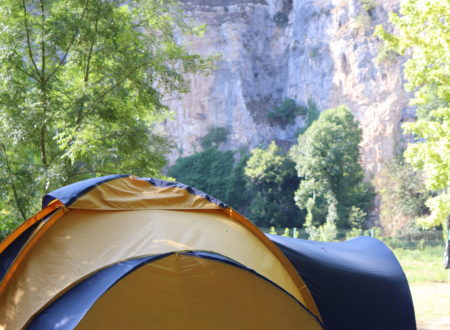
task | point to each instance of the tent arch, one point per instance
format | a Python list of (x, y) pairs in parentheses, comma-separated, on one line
[(106, 220)]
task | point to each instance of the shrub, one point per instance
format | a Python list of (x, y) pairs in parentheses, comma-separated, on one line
[(281, 19), (314, 52), (216, 136), (362, 22), (285, 114), (326, 232), (368, 5), (386, 55), (311, 112), (403, 195)]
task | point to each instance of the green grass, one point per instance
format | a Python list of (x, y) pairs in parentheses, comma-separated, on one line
[(423, 265), (430, 285)]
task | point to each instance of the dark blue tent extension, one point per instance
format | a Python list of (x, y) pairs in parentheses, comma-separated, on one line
[(357, 284)]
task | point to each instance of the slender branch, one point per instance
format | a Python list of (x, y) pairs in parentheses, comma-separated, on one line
[(43, 146), (43, 40), (91, 48), (72, 41), (55, 87), (11, 182), (87, 72), (22, 69), (43, 87), (27, 30), (120, 81)]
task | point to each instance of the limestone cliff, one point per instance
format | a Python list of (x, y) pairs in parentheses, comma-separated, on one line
[(301, 49)]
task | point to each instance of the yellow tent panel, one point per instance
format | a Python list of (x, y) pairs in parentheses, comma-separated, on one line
[(97, 226)]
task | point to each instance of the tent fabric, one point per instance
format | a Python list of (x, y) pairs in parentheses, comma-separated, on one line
[(70, 193), (70, 308), (357, 284), (12, 245), (10, 252), (188, 261), (83, 241), (118, 218), (182, 291), (76, 191)]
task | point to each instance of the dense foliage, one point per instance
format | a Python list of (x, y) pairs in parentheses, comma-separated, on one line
[(327, 160), (403, 195), (285, 113), (81, 83), (260, 185), (215, 172), (423, 33), (272, 178), (288, 110), (216, 136)]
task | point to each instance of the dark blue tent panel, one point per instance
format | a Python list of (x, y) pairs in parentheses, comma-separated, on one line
[(357, 284)]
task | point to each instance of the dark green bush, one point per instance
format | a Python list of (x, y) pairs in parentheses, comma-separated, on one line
[(215, 137)]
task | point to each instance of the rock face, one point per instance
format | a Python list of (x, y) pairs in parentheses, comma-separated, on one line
[(321, 50)]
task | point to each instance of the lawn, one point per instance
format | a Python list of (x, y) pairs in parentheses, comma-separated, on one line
[(423, 265), (430, 286)]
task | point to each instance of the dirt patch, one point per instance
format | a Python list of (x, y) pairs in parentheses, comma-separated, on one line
[(432, 305), (433, 325)]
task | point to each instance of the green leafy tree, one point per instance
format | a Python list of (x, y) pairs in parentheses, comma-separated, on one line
[(272, 177), (81, 83), (423, 33), (238, 194), (327, 161), (311, 112), (403, 194), (209, 171)]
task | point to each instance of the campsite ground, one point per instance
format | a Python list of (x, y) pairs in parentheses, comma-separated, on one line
[(430, 286)]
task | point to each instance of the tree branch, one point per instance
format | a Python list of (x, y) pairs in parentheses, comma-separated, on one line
[(30, 52), (42, 40), (91, 48), (11, 182), (120, 81), (70, 44), (42, 143)]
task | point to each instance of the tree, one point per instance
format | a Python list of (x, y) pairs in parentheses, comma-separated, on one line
[(403, 194), (423, 33), (209, 171), (271, 176), (216, 136), (332, 180), (81, 85)]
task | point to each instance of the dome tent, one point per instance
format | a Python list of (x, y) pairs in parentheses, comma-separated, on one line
[(120, 251)]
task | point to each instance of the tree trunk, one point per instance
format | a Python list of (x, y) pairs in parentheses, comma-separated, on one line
[(447, 246)]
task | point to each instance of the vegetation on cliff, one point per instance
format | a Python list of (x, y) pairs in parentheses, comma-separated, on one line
[(328, 183)]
